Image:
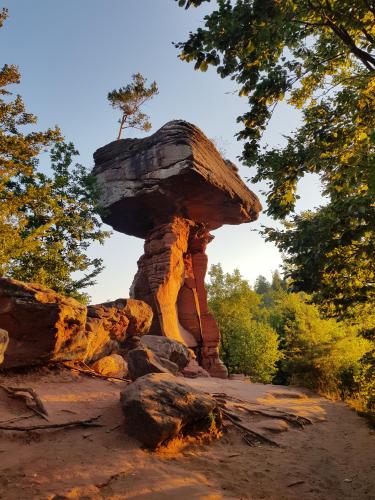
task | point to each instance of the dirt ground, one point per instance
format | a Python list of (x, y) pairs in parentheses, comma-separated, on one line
[(333, 458)]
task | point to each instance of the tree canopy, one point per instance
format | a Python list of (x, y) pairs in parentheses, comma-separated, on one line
[(248, 346), (18, 158), (66, 220), (318, 56), (46, 222), (130, 99), (275, 335)]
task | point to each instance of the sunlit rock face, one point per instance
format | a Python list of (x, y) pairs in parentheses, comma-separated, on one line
[(109, 325), (172, 189), (43, 326), (4, 341), (38, 325)]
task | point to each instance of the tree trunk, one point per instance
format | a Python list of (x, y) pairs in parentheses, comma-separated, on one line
[(121, 127)]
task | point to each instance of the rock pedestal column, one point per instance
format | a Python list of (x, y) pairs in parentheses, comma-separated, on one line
[(172, 188), (170, 278), (209, 354)]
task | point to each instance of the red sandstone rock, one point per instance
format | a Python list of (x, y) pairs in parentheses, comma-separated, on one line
[(171, 279), (130, 343), (45, 326), (175, 172), (106, 327), (172, 188), (193, 370), (160, 276), (158, 407), (109, 324), (4, 340), (111, 366), (166, 348), (139, 315), (142, 361), (42, 325)]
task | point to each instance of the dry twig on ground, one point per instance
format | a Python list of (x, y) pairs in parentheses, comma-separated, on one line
[(31, 398), (15, 419), (296, 420), (250, 435), (85, 369), (292, 418), (91, 422)]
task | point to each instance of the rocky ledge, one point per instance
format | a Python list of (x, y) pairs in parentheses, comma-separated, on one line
[(175, 172)]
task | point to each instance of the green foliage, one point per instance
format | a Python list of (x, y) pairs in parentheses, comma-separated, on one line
[(318, 353), (248, 346), (262, 285), (3, 16), (66, 221), (130, 99), (329, 253), (267, 291), (46, 223), (18, 153), (365, 380), (278, 283), (274, 49), (274, 335), (319, 56)]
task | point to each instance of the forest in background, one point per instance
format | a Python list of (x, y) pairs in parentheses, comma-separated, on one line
[(277, 336)]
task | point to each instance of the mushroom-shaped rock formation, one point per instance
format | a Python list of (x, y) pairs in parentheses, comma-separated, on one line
[(172, 188)]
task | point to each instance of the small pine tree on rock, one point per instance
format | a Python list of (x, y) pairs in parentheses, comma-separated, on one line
[(130, 99)]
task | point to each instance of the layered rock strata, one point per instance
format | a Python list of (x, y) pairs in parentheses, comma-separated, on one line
[(175, 172), (170, 278), (110, 324), (42, 325), (172, 189), (4, 340), (38, 325)]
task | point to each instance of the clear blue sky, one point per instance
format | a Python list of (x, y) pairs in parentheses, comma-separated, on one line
[(72, 52)]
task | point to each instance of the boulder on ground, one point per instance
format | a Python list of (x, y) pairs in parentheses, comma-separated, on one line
[(140, 317), (169, 365), (193, 370), (4, 340), (158, 407), (142, 361), (111, 366), (130, 343), (110, 324), (42, 325), (106, 328), (167, 348)]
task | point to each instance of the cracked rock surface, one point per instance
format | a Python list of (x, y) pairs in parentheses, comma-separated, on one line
[(177, 171), (158, 407)]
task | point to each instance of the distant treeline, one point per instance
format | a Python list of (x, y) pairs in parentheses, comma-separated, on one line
[(277, 336)]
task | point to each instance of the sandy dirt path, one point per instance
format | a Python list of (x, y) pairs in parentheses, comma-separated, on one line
[(334, 458)]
